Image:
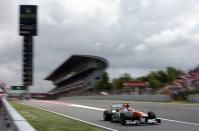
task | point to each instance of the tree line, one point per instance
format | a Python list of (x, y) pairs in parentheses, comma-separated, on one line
[(156, 79)]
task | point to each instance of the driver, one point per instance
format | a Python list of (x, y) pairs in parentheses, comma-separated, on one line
[(128, 107)]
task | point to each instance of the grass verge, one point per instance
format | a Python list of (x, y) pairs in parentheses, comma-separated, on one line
[(46, 121)]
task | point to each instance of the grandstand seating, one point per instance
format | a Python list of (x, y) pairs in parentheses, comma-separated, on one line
[(184, 83), (77, 75)]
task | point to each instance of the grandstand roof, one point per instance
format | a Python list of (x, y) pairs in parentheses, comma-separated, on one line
[(74, 61)]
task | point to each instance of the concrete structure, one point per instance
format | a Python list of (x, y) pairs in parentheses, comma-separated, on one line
[(11, 120), (135, 87), (2, 121), (144, 97), (77, 75), (193, 98)]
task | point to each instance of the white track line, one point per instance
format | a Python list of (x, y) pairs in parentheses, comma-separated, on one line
[(87, 107), (102, 109), (70, 117), (183, 122)]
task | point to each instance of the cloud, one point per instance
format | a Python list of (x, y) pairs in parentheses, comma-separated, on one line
[(166, 37), (64, 12), (135, 36), (140, 47)]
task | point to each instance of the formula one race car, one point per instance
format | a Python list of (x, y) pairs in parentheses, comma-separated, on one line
[(125, 114)]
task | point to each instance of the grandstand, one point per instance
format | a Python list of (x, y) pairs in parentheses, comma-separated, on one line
[(188, 82), (77, 75)]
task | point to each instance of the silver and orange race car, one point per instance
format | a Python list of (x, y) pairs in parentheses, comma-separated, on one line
[(125, 114)]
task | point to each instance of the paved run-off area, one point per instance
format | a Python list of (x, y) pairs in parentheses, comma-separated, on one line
[(176, 117)]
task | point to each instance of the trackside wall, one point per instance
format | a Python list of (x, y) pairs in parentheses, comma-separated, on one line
[(193, 98), (145, 97)]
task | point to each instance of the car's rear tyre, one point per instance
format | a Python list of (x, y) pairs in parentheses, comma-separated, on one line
[(151, 115), (107, 115)]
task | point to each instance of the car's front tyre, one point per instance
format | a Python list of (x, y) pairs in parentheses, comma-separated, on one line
[(107, 115)]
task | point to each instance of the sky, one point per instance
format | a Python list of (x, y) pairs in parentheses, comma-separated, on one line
[(135, 36)]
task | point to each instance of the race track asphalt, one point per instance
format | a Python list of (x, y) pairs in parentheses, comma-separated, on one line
[(176, 117)]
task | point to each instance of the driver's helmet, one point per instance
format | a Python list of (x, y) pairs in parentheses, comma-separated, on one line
[(125, 105)]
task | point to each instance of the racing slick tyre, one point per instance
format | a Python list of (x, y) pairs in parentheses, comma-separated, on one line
[(151, 115), (158, 120), (107, 115)]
